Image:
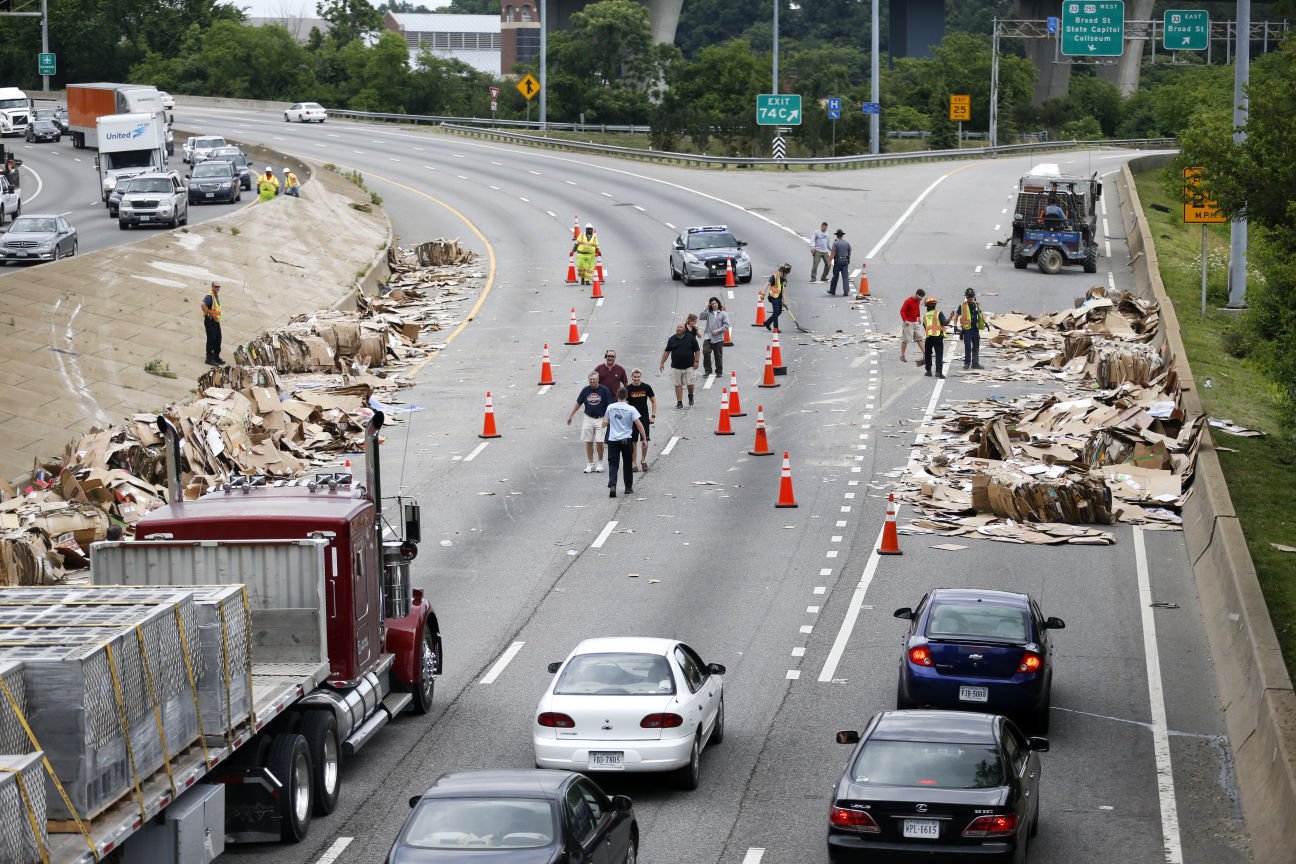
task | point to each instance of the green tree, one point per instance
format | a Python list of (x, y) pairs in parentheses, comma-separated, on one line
[(350, 19), (718, 93)]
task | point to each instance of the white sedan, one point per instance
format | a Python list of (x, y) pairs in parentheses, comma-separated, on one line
[(306, 112), (630, 704)]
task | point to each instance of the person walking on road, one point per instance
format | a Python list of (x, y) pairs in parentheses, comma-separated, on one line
[(292, 186), (211, 312), (594, 398), (911, 325), (715, 321), (682, 349), (610, 374), (934, 323), (622, 422), (971, 322), (820, 251), (774, 294), (644, 400), (586, 248), (841, 255)]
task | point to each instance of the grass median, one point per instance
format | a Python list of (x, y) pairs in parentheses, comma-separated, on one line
[(1259, 481)]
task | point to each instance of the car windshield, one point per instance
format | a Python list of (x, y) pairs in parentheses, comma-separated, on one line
[(32, 225), (44, 123), (481, 823), (313, 106), (616, 675), (980, 621), (234, 156), (922, 763), (46, 113), (209, 143), (151, 184), (212, 169), (13, 103), (712, 240)]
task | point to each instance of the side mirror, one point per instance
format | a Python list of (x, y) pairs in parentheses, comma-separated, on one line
[(1054, 624), (742, 242), (904, 612), (554, 667), (414, 799), (679, 245), (413, 522), (622, 803), (848, 736), (715, 669), (1039, 745)]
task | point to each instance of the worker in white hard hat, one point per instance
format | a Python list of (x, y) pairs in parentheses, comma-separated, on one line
[(291, 185), (267, 185), (586, 249)]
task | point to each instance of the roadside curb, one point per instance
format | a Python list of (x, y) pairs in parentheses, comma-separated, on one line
[(1256, 692)]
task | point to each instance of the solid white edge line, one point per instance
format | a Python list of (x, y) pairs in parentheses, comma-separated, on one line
[(754, 855), (604, 535), (476, 451), (907, 213), (670, 445), (509, 653), (1156, 700), (335, 850)]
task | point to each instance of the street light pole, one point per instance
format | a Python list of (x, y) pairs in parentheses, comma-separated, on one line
[(45, 40), (874, 90), (776, 5), (1238, 229), (544, 65)]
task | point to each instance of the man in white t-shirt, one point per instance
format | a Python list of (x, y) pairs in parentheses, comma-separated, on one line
[(621, 421)]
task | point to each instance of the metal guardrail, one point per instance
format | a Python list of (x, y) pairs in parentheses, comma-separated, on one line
[(486, 121)]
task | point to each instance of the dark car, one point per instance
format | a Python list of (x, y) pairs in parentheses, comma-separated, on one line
[(980, 651), (502, 817), (57, 115), (212, 181), (936, 786), (43, 130), (236, 157)]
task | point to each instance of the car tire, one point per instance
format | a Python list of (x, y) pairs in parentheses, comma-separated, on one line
[(1034, 829), (632, 849), (75, 248), (688, 777), (319, 728), (285, 116), (1039, 718), (684, 277), (1049, 260), (717, 734), (238, 196), (902, 704), (743, 280), (424, 689), (289, 761), (58, 252), (675, 276), (122, 224), (185, 220), (1091, 260)]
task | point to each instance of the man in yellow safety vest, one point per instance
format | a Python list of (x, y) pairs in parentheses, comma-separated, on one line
[(934, 323), (774, 294), (586, 248), (971, 321), (292, 186), (211, 312)]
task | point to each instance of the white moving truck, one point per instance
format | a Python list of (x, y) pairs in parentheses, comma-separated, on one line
[(129, 144), (15, 111)]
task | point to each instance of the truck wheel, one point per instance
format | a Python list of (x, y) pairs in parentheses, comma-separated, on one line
[(1091, 260), (1049, 260), (319, 728), (429, 663), (289, 761)]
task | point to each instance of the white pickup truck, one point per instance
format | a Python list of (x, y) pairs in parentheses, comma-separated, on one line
[(10, 199)]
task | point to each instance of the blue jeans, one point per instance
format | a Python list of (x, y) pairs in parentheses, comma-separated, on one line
[(971, 347)]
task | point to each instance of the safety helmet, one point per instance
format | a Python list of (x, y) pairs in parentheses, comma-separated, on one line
[(931, 301), (287, 170), (589, 226), (269, 169), (969, 292), (785, 268)]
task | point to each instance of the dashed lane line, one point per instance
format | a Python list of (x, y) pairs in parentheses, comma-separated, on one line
[(476, 451), (604, 535), (500, 664), (670, 445), (335, 850)]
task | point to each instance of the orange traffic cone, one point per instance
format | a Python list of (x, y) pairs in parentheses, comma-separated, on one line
[(573, 331), (546, 369), (761, 447), (890, 540), (785, 496), (760, 309), (735, 403), (768, 380), (728, 340), (488, 422), (571, 269), (779, 368), (863, 286), (596, 293), (729, 280), (576, 227), (723, 428)]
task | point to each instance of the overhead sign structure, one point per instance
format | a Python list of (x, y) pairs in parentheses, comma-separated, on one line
[(1186, 30), (834, 108), (46, 64), (529, 87), (1198, 209), (778, 109), (960, 107), (872, 107), (1093, 29)]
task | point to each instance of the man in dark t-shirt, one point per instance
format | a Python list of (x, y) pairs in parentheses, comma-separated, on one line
[(594, 398), (684, 352), (640, 395)]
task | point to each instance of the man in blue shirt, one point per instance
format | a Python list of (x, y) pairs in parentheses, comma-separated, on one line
[(622, 421), (594, 398)]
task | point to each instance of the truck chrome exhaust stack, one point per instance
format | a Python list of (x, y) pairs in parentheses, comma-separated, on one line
[(171, 437)]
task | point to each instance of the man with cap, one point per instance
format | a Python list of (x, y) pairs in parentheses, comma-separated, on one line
[(841, 254), (911, 324), (774, 294), (292, 185), (586, 248), (971, 322), (211, 312), (934, 323)]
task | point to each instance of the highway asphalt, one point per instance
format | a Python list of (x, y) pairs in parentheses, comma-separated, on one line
[(521, 547)]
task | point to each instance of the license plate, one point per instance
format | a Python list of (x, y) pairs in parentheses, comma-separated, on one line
[(145, 218), (974, 694), (606, 761), (209, 194), (22, 254), (927, 829)]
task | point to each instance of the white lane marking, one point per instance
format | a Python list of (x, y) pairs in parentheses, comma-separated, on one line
[(476, 451), (754, 855), (606, 194), (640, 209), (730, 293), (358, 152), (599, 302), (670, 445), (537, 173), (457, 155), (496, 188), (27, 199), (812, 610), (570, 182), (604, 535), (1005, 210), (335, 850), (1156, 698), (492, 162), (907, 213), (996, 228), (710, 379), (392, 159), (418, 149), (798, 652), (527, 200), (793, 674), (977, 270), (551, 213), (509, 653), (807, 628), (827, 571), (669, 225), (543, 390), (1106, 238), (870, 568), (461, 177), (1111, 280), (1103, 201), (430, 167), (819, 589)]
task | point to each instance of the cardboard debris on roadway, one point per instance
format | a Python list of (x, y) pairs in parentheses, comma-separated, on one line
[(1113, 445), (297, 398)]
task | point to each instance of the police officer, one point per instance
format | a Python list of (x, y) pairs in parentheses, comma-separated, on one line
[(774, 293), (971, 321), (934, 323)]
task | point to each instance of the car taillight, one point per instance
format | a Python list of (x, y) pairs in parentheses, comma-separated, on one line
[(920, 655), (1003, 825), (554, 720), (661, 721), (1030, 662), (852, 820)]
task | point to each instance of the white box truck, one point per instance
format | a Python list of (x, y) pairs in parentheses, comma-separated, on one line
[(15, 111), (129, 144)]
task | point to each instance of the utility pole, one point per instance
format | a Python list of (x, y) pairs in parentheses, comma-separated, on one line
[(994, 85), (1238, 229), (874, 92), (544, 65), (776, 5), (44, 40)]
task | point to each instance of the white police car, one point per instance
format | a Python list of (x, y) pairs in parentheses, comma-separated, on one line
[(701, 253)]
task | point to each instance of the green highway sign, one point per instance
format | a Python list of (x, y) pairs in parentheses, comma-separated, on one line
[(1186, 30), (778, 109), (45, 64), (1093, 29)]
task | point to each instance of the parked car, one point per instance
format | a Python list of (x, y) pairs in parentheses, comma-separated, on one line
[(238, 159), (702, 252), (556, 817), (38, 237), (630, 704), (306, 112), (43, 130), (154, 198), (978, 650), (199, 147), (936, 786), (212, 181)]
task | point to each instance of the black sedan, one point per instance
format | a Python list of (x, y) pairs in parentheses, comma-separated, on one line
[(212, 181), (509, 817), (936, 786), (236, 157), (43, 130)]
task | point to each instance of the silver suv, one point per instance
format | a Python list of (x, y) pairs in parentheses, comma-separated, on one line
[(154, 198)]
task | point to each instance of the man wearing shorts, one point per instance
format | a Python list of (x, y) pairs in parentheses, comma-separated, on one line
[(640, 394), (911, 329), (684, 352), (595, 399)]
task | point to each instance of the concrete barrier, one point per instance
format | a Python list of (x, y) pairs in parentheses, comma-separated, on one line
[(1256, 693)]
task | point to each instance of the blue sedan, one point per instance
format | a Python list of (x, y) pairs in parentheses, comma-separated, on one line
[(978, 650)]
